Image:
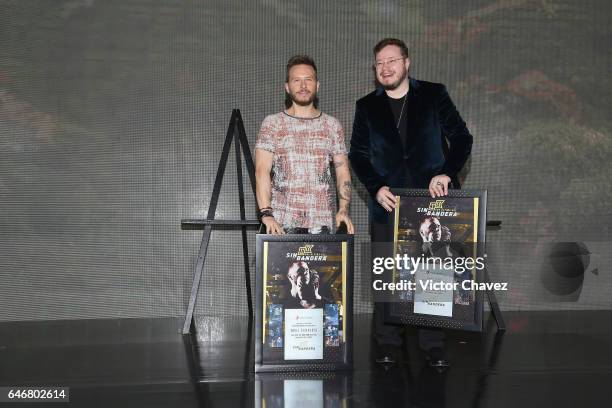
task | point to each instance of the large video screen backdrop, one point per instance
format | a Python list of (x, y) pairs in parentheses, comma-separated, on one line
[(113, 113)]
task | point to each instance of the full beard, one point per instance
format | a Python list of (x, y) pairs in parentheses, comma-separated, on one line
[(303, 102), (394, 85)]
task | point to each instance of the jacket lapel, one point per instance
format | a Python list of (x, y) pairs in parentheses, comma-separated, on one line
[(385, 124), (414, 117)]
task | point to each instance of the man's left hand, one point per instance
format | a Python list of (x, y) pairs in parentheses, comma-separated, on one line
[(343, 217), (438, 186)]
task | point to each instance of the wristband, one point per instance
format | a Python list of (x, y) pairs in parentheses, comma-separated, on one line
[(265, 212)]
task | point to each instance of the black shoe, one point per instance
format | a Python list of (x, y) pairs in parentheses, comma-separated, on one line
[(437, 358), (387, 354)]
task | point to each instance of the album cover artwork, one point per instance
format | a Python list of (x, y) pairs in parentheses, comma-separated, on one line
[(439, 237), (304, 297), (275, 325), (332, 325)]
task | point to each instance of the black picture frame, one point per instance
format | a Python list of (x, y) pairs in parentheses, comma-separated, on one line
[(452, 212), (275, 255)]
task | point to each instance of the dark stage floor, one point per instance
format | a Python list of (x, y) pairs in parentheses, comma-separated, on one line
[(545, 359)]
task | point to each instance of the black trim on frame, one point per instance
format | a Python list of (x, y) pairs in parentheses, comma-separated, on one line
[(393, 315), (304, 365)]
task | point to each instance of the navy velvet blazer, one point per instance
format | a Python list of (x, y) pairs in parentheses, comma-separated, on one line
[(377, 154)]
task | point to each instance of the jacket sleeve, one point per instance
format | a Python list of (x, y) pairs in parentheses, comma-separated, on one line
[(456, 132), (359, 154)]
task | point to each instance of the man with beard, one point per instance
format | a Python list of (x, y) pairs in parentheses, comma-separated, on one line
[(305, 284), (437, 243), (292, 161), (399, 140), (436, 237)]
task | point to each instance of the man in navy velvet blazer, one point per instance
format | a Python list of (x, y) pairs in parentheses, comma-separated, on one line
[(401, 137)]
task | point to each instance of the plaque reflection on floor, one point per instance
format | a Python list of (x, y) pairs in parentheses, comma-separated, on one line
[(313, 390)]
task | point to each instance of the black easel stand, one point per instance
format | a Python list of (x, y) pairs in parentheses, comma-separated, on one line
[(235, 131), (497, 314)]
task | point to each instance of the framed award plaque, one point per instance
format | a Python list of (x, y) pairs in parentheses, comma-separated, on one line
[(303, 309), (438, 244)]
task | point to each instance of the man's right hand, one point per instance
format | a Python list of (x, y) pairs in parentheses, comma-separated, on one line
[(272, 227), (386, 198)]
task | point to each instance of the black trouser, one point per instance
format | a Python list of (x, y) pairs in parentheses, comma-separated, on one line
[(390, 334)]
